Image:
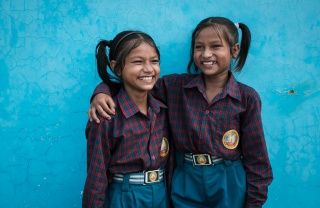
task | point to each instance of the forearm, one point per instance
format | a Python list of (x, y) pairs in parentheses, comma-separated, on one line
[(257, 190), (97, 162), (255, 155), (258, 170), (101, 88)]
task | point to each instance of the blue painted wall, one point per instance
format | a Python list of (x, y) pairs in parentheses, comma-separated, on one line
[(47, 75)]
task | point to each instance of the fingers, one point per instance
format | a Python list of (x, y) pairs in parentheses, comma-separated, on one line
[(103, 112), (110, 105), (89, 115), (92, 114), (106, 106)]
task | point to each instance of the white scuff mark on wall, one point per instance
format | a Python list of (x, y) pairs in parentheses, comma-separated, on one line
[(289, 92)]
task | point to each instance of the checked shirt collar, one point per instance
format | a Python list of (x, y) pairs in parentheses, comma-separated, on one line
[(231, 88), (129, 108)]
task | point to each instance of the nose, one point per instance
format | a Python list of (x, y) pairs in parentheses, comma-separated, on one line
[(148, 67), (206, 53)]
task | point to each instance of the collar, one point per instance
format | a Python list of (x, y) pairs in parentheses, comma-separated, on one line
[(129, 108), (231, 88)]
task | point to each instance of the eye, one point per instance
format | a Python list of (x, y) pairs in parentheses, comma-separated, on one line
[(198, 47), (155, 61), (216, 45), (137, 62)]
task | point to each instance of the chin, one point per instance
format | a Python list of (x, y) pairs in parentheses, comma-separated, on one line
[(147, 88), (209, 72)]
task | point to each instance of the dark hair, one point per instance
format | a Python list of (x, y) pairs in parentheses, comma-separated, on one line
[(119, 48), (228, 30)]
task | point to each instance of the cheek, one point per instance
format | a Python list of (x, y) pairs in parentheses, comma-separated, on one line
[(157, 70), (196, 55)]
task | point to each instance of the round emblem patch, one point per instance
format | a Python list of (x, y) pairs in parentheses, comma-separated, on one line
[(153, 176), (230, 139), (201, 160), (164, 147)]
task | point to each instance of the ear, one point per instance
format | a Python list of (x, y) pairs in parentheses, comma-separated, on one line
[(112, 66), (235, 50)]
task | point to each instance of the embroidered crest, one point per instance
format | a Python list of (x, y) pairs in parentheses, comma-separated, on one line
[(164, 147), (230, 139)]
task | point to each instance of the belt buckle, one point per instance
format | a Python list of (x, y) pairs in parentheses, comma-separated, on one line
[(151, 176), (201, 159)]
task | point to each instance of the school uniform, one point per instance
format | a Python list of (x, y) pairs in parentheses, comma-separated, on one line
[(128, 157), (219, 145)]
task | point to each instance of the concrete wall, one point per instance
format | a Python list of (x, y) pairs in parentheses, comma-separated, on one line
[(47, 75)]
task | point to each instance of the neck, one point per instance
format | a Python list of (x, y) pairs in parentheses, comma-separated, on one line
[(139, 98), (216, 82), (215, 85)]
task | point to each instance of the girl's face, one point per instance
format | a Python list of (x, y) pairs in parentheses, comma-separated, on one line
[(212, 55), (141, 70)]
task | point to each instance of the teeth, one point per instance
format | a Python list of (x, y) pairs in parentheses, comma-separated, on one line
[(209, 62), (145, 78)]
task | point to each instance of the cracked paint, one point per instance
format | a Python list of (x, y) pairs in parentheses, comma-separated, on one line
[(47, 75)]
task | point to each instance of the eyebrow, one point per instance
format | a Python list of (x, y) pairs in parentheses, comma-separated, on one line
[(211, 42), (132, 57)]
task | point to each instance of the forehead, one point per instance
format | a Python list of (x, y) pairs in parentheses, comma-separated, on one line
[(144, 49), (209, 34)]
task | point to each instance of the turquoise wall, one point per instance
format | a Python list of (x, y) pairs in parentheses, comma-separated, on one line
[(47, 75)]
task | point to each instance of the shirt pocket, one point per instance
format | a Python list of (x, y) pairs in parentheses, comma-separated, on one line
[(228, 134)]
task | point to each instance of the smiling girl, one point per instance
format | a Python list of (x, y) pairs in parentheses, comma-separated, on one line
[(128, 156)]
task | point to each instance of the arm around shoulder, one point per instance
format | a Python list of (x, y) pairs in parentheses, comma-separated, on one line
[(102, 102)]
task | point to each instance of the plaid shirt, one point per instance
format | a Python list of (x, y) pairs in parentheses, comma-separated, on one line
[(198, 126), (129, 143)]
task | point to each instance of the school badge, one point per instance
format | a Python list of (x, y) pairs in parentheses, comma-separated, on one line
[(164, 147), (230, 139)]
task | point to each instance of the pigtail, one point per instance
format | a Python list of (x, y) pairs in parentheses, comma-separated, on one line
[(119, 48), (244, 47), (103, 64)]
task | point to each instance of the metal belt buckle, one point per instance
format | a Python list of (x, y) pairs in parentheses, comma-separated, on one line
[(151, 176), (201, 159)]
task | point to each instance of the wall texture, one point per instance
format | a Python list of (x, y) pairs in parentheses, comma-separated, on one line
[(47, 75)]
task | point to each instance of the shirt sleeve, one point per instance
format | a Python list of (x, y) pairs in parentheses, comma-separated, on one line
[(98, 157), (254, 154), (169, 86), (160, 90), (101, 88), (170, 166)]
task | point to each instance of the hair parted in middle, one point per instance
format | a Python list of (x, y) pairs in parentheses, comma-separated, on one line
[(119, 48), (227, 30)]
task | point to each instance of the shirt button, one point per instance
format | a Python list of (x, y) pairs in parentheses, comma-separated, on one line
[(207, 111), (153, 157)]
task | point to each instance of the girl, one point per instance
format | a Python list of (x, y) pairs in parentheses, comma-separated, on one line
[(127, 157), (215, 121)]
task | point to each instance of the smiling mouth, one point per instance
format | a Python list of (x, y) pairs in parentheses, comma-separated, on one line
[(146, 78), (209, 62)]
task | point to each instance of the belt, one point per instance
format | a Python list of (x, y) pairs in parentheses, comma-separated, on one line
[(145, 177), (202, 159)]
